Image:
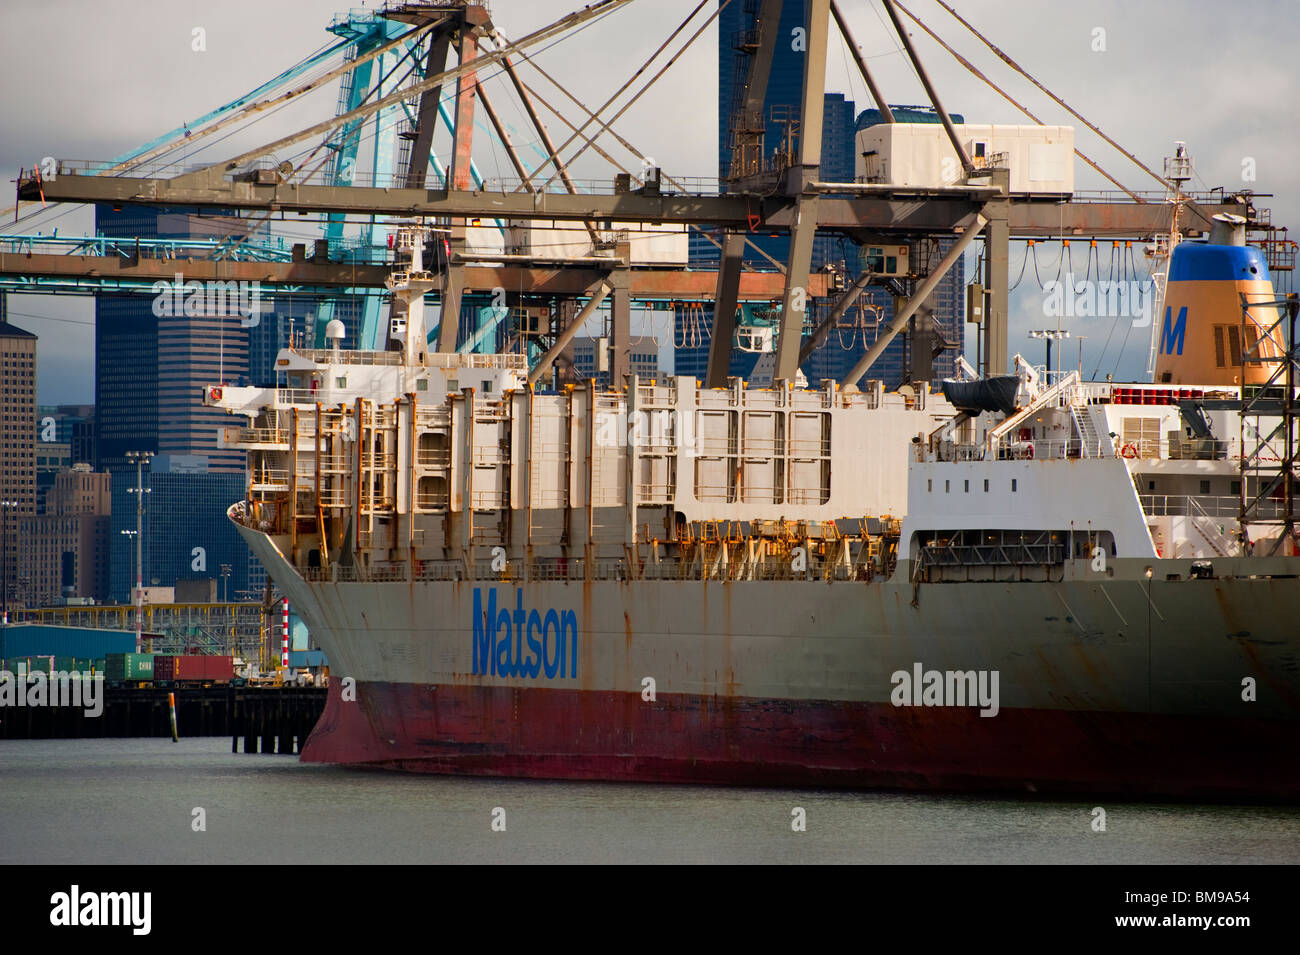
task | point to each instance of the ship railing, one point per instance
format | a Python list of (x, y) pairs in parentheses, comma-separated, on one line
[(809, 448), (807, 495), (656, 492), (257, 436), (1003, 553), (652, 447), (327, 356), (435, 458), (1189, 505), (496, 360), (270, 477), (774, 568), (486, 455), (1201, 449), (762, 446), (1011, 448), (297, 396), (433, 417), (1093, 392), (1179, 449), (715, 447), (560, 568), (488, 407), (655, 397)]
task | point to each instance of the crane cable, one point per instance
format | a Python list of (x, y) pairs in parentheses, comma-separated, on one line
[(1060, 102), (1006, 96)]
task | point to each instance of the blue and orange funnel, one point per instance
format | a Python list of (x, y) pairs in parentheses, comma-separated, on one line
[(1200, 328)]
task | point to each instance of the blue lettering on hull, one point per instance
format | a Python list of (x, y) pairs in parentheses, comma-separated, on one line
[(523, 643)]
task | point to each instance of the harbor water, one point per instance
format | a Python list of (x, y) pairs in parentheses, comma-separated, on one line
[(139, 801)]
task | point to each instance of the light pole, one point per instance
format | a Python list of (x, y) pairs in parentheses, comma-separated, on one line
[(1051, 335), (141, 458), (130, 536), (225, 576), (5, 507)]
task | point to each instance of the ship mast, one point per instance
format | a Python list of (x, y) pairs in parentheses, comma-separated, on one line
[(409, 286), (1178, 170)]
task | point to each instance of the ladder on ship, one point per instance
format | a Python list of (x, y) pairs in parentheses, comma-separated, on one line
[(1089, 440)]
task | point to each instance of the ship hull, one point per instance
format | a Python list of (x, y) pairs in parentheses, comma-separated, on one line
[(558, 734), (1120, 685)]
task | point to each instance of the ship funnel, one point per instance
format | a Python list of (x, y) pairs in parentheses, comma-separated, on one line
[(1228, 230), (1202, 336)]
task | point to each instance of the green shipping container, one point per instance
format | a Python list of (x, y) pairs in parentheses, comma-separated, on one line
[(128, 667)]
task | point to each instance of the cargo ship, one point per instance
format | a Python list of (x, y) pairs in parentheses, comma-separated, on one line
[(1028, 583)]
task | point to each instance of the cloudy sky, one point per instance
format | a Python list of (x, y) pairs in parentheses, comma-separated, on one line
[(94, 79)]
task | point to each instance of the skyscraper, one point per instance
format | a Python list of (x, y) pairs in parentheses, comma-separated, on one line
[(194, 351), (186, 532), (65, 549), (17, 445), (153, 356)]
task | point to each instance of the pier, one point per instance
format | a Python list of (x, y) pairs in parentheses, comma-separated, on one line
[(268, 720)]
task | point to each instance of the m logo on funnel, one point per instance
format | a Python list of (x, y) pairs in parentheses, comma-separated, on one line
[(1171, 334)]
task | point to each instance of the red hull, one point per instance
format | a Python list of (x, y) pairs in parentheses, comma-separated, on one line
[(570, 734)]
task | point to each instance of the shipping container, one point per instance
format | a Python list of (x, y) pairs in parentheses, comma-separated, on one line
[(307, 659), (193, 668), (128, 667), (32, 639), (29, 664), (163, 667)]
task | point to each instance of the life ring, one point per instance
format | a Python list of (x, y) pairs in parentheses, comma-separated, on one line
[(1129, 451), (1029, 451)]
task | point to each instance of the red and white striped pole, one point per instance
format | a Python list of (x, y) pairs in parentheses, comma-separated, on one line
[(284, 646)]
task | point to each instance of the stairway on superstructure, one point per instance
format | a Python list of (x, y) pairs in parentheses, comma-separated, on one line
[(1090, 441)]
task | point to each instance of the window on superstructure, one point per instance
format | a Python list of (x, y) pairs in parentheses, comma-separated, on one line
[(1144, 434), (986, 485), (1205, 487), (1013, 485)]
